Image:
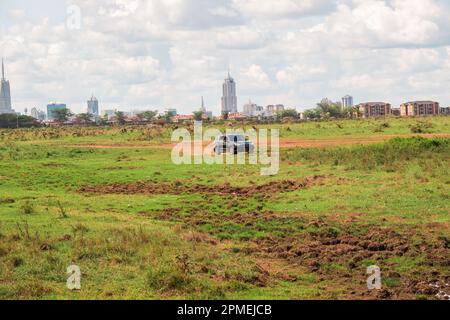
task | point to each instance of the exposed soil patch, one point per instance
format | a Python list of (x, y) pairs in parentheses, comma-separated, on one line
[(341, 257), (337, 252), (177, 188)]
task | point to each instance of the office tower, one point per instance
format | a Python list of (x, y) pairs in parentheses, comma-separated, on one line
[(93, 106), (347, 102), (229, 98), (5, 94)]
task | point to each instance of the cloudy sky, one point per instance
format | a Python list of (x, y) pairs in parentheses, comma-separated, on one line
[(137, 54)]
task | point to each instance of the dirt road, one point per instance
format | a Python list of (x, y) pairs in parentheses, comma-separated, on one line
[(284, 142)]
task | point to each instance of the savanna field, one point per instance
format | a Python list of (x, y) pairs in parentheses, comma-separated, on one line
[(349, 194)]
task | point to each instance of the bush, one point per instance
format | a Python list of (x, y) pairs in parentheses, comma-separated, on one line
[(27, 207), (164, 279), (421, 127)]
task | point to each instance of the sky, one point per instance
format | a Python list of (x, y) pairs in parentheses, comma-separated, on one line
[(159, 54)]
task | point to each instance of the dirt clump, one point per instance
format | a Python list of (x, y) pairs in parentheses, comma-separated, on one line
[(152, 187)]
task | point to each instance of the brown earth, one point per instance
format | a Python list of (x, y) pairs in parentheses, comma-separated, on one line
[(319, 251), (177, 187), (335, 252)]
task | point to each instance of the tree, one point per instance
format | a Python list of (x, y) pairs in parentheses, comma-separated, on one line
[(147, 115), (312, 114), (84, 118), (120, 117), (61, 115), (12, 120), (289, 113), (198, 115), (329, 109), (348, 112), (225, 115), (166, 117)]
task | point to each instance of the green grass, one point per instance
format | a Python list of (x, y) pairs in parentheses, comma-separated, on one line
[(129, 246)]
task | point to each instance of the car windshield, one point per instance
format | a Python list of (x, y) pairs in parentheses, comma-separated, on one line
[(235, 138)]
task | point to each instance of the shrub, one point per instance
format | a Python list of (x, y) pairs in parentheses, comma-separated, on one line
[(421, 127), (164, 279), (27, 207)]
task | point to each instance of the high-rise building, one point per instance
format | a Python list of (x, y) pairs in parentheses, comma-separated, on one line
[(54, 106), (249, 109), (229, 98), (253, 110), (202, 107), (37, 114), (5, 94), (347, 102), (92, 106), (206, 114)]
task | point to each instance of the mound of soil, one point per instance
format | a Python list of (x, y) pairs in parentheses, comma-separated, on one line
[(318, 252), (176, 188)]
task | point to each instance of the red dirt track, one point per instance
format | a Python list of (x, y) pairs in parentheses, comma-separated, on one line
[(284, 142)]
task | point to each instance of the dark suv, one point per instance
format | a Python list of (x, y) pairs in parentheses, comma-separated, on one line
[(233, 143)]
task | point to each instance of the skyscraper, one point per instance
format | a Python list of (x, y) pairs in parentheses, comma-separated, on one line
[(93, 106), (202, 107), (229, 98), (206, 114), (347, 102), (5, 94)]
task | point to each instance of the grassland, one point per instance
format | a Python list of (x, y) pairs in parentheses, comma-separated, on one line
[(141, 227)]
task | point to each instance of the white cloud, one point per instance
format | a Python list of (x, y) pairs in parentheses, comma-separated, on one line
[(142, 53), (283, 8), (255, 76)]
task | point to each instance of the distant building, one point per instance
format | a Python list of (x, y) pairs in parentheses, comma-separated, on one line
[(374, 109), (109, 113), (272, 110), (395, 112), (236, 116), (182, 118), (347, 102), (206, 114), (172, 112), (253, 110), (5, 94), (37, 114), (54, 106), (445, 111), (34, 113), (419, 108), (229, 98), (202, 106), (92, 106)]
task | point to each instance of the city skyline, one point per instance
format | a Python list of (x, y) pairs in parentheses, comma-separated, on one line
[(290, 52)]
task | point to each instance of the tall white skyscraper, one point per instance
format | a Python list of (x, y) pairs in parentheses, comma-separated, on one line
[(347, 102), (229, 98), (5, 94)]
